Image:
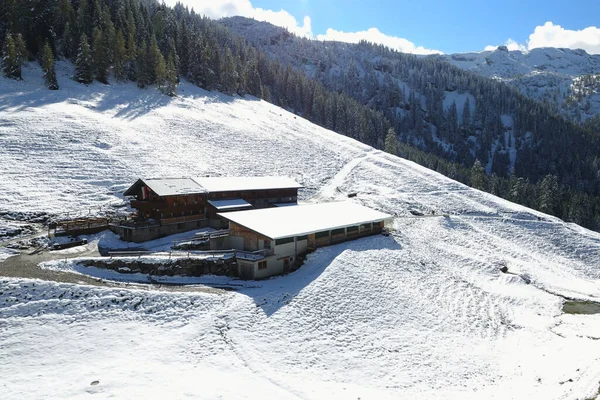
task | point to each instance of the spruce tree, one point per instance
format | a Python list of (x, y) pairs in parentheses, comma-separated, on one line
[(83, 65), (160, 72), (21, 48), (478, 178), (131, 58), (11, 67), (100, 56), (171, 89), (120, 58), (47, 62), (391, 142), (141, 66)]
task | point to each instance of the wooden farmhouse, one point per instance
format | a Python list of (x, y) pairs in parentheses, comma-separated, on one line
[(168, 206), (271, 240)]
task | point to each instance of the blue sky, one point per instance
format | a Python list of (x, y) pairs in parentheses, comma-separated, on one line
[(435, 25)]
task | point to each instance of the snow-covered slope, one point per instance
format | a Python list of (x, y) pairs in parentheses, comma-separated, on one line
[(544, 74), (424, 313)]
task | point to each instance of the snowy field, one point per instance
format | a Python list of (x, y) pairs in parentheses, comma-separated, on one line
[(424, 313)]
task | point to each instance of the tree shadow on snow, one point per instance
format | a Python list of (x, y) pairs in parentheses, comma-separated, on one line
[(272, 294), (126, 100)]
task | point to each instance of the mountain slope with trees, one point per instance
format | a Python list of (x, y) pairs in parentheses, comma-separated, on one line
[(566, 80), (459, 116), (453, 121)]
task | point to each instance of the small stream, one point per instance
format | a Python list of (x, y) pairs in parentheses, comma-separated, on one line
[(581, 307)]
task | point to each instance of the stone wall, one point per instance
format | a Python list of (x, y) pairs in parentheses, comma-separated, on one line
[(182, 266)]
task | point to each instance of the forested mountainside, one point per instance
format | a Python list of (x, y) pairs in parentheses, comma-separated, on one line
[(568, 81), (450, 120), (460, 116)]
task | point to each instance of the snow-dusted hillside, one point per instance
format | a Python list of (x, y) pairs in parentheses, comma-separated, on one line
[(544, 74), (424, 313)]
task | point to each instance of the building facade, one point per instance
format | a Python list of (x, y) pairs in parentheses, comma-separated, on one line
[(167, 206)]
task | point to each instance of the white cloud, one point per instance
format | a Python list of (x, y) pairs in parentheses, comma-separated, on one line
[(550, 35), (510, 44), (374, 35), (227, 8)]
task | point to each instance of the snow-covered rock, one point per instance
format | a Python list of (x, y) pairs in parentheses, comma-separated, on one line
[(550, 74)]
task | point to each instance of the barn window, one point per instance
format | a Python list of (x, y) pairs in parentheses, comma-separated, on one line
[(262, 265), (321, 235), (284, 241)]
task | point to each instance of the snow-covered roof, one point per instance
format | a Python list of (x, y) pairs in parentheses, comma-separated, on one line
[(168, 186), (235, 183), (229, 204), (281, 222)]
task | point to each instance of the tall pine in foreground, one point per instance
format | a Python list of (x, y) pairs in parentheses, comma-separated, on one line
[(14, 53), (83, 64), (171, 88), (47, 62), (11, 67)]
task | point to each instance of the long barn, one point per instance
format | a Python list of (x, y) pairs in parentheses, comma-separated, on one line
[(271, 240)]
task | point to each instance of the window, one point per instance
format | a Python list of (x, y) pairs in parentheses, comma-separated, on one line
[(267, 244), (303, 237), (284, 241), (262, 265), (365, 227), (337, 231), (321, 235), (352, 229)]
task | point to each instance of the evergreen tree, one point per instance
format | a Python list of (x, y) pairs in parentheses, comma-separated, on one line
[(11, 67), (171, 88), (161, 73), (229, 78), (100, 55), (120, 54), (549, 195), (391, 142), (21, 48), (84, 72), (141, 66), (466, 115), (478, 178), (47, 62), (131, 58)]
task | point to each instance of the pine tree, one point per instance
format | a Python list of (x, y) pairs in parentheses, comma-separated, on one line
[(11, 67), (152, 59), (229, 78), (47, 62), (120, 54), (549, 195), (131, 58), (478, 178), (141, 66), (171, 89), (391, 142), (83, 65), (466, 115), (161, 72), (100, 56)]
